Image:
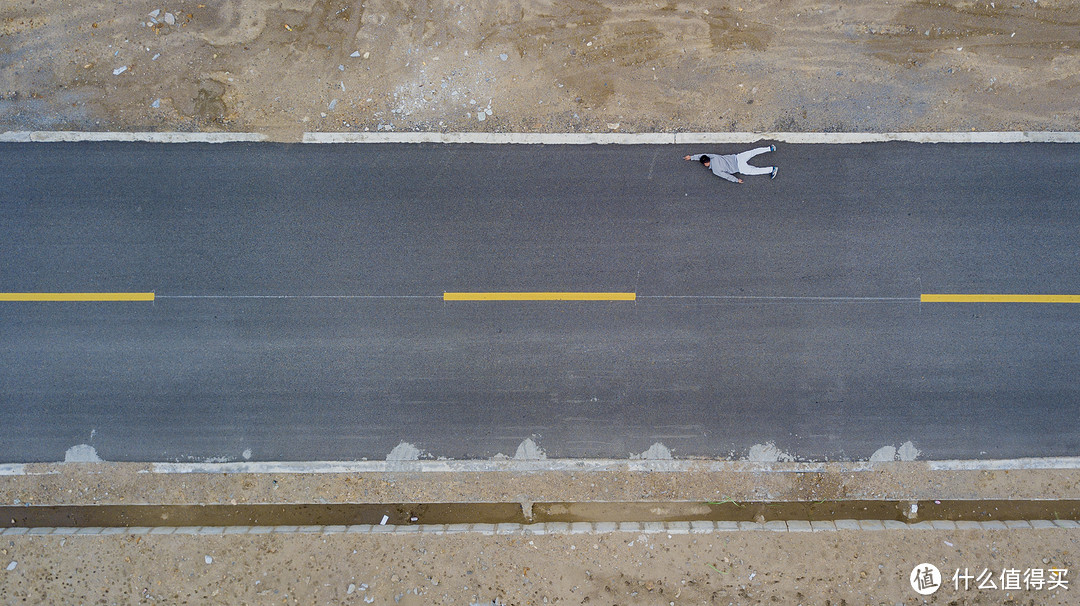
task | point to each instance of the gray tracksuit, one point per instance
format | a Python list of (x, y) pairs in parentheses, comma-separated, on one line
[(724, 167)]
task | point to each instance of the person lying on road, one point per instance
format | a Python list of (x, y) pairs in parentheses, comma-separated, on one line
[(727, 166)]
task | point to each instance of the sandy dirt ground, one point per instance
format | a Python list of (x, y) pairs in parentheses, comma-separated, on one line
[(288, 66), (840, 567)]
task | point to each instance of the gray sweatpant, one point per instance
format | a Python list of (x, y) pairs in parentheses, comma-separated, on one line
[(744, 158)]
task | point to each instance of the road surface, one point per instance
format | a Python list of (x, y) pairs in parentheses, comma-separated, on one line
[(298, 308)]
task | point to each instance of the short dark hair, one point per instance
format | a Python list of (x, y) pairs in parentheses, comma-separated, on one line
[(704, 159)]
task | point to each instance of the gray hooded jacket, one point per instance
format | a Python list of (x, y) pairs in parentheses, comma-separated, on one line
[(724, 167)]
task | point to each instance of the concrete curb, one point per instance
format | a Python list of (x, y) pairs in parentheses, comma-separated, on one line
[(562, 528), (585, 465), (550, 138), (127, 137)]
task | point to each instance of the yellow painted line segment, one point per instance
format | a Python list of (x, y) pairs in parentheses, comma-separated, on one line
[(539, 296), (976, 298), (76, 296)]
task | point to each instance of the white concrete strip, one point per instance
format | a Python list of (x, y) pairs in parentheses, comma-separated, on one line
[(593, 465), (554, 138), (128, 137), (850, 138), (477, 466), (494, 138), (691, 138), (1006, 464), (12, 469)]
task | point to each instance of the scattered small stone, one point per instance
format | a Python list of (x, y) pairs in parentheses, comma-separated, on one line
[(209, 560), (341, 68), (384, 520), (366, 55), (12, 566), (154, 13), (119, 70), (481, 116), (170, 18), (155, 57), (333, 104), (503, 57), (351, 589), (355, 54), (156, 104)]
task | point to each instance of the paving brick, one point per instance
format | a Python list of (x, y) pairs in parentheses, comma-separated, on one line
[(702, 526), (607, 526)]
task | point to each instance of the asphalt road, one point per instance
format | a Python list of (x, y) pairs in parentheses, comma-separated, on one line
[(783, 311)]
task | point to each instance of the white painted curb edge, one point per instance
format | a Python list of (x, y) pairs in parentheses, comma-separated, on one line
[(571, 465), (550, 138), (558, 528), (599, 465), (557, 465), (134, 137)]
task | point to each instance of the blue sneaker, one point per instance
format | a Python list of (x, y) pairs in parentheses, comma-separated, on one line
[(772, 148), (773, 175)]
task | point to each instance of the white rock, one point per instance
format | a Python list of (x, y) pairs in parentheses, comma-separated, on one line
[(351, 589), (12, 566), (154, 13), (170, 18), (355, 54), (156, 104), (481, 116), (209, 560), (503, 57), (119, 70)]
